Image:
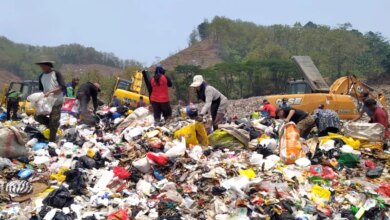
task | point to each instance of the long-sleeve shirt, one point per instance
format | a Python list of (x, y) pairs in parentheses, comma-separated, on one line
[(211, 95)]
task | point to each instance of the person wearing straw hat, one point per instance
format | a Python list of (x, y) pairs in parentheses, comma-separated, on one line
[(51, 82), (215, 102)]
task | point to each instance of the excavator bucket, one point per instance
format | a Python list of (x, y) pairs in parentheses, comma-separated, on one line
[(311, 73)]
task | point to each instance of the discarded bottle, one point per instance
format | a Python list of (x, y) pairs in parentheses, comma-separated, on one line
[(157, 174)]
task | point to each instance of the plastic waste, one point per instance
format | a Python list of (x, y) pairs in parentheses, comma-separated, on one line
[(5, 162), (374, 173), (59, 198), (321, 192), (157, 158), (348, 159), (25, 173), (303, 162), (18, 187), (290, 144), (121, 173), (76, 180), (250, 173), (178, 149), (196, 153), (384, 189), (144, 186), (118, 215), (217, 191), (369, 164), (142, 165), (39, 146)]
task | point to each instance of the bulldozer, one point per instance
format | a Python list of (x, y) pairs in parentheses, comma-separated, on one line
[(343, 96), (26, 88), (129, 91)]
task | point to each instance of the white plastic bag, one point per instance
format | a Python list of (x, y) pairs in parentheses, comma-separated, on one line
[(142, 165), (177, 150), (43, 105), (364, 131)]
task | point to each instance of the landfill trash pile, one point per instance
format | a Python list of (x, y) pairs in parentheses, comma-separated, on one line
[(127, 168)]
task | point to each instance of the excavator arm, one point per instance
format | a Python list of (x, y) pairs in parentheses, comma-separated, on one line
[(351, 85)]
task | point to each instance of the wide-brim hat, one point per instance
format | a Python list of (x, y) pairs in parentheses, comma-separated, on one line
[(197, 81), (46, 62)]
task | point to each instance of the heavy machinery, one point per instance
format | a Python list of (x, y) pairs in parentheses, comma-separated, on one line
[(129, 91), (343, 96), (26, 88)]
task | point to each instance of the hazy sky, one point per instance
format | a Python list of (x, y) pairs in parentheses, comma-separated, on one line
[(146, 29)]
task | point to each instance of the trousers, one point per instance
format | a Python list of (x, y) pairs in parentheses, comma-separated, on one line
[(52, 121)]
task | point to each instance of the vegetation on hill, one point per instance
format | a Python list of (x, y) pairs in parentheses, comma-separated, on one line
[(256, 58), (20, 58)]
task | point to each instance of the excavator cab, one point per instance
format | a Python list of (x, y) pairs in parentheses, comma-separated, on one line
[(26, 88), (129, 91), (298, 87)]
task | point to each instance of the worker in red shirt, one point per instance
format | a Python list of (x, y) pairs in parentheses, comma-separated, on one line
[(269, 108), (379, 115), (159, 96)]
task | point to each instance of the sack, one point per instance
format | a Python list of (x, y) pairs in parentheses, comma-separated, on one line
[(290, 144), (195, 134), (68, 104), (372, 132), (12, 143), (222, 139)]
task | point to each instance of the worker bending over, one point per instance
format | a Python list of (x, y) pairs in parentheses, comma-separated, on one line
[(304, 121), (215, 102), (85, 93), (379, 114)]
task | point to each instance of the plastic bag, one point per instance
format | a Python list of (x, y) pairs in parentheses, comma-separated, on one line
[(43, 105), (4, 162), (374, 173), (290, 144), (76, 180), (59, 198), (194, 134), (364, 131), (121, 173), (68, 104), (118, 215), (142, 165), (35, 97), (157, 158), (178, 149), (12, 142), (222, 139), (348, 159), (347, 140)]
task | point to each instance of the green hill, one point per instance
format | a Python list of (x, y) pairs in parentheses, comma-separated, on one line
[(20, 58), (255, 59)]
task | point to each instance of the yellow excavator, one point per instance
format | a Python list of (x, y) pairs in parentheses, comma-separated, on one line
[(26, 88), (129, 91), (343, 96)]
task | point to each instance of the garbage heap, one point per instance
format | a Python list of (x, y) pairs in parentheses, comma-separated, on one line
[(127, 168)]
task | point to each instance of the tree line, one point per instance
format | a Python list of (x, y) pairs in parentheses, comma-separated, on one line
[(20, 58), (256, 58)]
